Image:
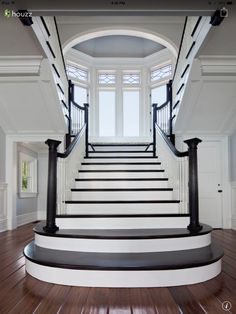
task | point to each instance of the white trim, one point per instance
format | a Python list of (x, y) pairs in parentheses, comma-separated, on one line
[(233, 204), (3, 206), (20, 64), (123, 279), (218, 65), (26, 218), (123, 246)]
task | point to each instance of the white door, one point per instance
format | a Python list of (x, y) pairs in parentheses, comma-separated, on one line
[(210, 178)]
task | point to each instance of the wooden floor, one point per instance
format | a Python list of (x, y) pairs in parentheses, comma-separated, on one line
[(21, 293)]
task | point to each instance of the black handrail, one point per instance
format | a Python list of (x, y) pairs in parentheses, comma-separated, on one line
[(176, 152), (191, 153), (72, 144)]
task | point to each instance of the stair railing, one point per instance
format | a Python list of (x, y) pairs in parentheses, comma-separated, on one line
[(162, 115), (181, 169)]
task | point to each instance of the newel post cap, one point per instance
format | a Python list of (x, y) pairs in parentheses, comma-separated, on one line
[(52, 143), (193, 142)]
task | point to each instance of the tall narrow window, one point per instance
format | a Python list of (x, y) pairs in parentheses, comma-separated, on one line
[(27, 176), (131, 113), (158, 95), (107, 113), (80, 95)]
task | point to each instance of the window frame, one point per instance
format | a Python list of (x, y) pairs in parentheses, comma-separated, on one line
[(33, 169)]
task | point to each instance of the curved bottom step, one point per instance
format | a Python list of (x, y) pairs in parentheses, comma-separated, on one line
[(159, 269)]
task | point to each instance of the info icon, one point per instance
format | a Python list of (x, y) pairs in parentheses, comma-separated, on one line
[(7, 13), (226, 306)]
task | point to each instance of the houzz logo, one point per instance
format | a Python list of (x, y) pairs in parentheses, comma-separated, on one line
[(20, 14)]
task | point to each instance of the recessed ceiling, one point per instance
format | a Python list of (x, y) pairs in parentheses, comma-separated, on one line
[(119, 46)]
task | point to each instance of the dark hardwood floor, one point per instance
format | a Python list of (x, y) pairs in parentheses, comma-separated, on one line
[(22, 294)]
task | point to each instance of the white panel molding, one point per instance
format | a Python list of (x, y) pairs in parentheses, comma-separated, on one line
[(3, 206), (26, 218), (20, 65), (233, 204), (218, 65)]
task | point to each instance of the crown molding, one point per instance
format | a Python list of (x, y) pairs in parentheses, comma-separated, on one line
[(20, 65), (221, 65)]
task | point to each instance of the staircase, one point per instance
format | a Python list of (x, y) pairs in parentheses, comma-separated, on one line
[(122, 227)]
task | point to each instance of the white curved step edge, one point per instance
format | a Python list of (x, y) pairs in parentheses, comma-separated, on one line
[(122, 246), (123, 279), (122, 209), (121, 195), (121, 184), (122, 222), (121, 167), (111, 160), (121, 175)]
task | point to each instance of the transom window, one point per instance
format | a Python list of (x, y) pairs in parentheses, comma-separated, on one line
[(161, 73), (107, 78), (76, 73), (131, 78)]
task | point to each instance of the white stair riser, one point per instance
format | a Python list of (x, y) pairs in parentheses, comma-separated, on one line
[(121, 175), (124, 195), (121, 167), (121, 148), (111, 160), (123, 279), (122, 246), (122, 223), (122, 209), (121, 184), (143, 154)]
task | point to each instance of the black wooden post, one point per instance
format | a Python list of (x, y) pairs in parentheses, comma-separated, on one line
[(70, 98), (52, 186), (194, 225), (169, 91), (86, 121), (154, 121)]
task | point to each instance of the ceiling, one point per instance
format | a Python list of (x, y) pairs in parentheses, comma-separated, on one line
[(119, 46)]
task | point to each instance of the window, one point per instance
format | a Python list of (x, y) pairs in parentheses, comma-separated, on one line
[(158, 95), (131, 113), (131, 78), (106, 78), (107, 117), (161, 73), (77, 73), (80, 95), (28, 176)]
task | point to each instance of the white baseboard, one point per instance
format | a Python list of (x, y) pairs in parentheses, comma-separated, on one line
[(3, 225), (26, 218)]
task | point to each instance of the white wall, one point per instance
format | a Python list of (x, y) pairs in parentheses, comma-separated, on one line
[(26, 208), (2, 155), (233, 156), (42, 184)]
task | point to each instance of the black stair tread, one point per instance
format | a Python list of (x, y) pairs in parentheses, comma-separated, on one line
[(112, 157), (120, 189), (122, 144), (118, 170), (123, 202), (114, 216), (121, 233), (120, 151), (120, 163), (121, 179), (124, 261)]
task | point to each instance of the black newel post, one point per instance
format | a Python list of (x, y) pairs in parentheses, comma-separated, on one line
[(86, 121), (52, 186), (194, 225), (154, 121)]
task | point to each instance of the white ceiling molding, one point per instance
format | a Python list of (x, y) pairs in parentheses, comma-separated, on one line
[(20, 65), (220, 65)]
